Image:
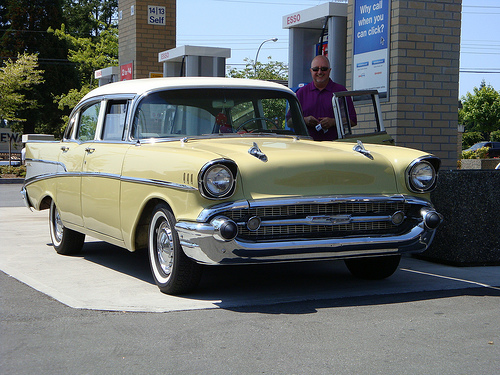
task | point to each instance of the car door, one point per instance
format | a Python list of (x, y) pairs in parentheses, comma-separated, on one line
[(73, 152), (368, 126), (102, 167)]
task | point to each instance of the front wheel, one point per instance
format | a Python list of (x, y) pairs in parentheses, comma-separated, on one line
[(64, 240), (375, 268), (173, 271)]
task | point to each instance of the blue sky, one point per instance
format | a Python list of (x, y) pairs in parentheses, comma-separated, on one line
[(243, 25)]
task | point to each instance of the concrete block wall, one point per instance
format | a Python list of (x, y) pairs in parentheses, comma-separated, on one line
[(470, 233), (422, 110), (141, 42)]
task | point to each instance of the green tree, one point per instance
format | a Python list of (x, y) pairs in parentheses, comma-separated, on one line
[(88, 18), (481, 110), (88, 54), (24, 25), (495, 136), (16, 79), (272, 70)]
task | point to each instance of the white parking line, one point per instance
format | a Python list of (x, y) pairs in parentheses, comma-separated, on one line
[(452, 278)]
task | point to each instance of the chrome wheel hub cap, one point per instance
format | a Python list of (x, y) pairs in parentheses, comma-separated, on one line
[(58, 226), (164, 248)]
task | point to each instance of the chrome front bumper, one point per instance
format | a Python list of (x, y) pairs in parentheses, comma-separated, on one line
[(202, 241)]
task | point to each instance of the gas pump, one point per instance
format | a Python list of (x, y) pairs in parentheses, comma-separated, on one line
[(194, 61), (320, 30)]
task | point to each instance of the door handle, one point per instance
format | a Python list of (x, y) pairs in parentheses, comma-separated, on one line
[(89, 150), (64, 148)]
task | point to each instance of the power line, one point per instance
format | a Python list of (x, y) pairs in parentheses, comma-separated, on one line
[(481, 6), (479, 71), (287, 3)]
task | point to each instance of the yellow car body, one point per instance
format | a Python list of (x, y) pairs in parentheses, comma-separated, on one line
[(268, 194)]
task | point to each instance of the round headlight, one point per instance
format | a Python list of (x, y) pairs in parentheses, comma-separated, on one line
[(218, 181), (422, 176)]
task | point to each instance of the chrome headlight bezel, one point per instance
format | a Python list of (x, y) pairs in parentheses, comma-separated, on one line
[(421, 174), (217, 179)]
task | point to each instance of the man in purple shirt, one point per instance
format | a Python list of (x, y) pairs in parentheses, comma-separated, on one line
[(316, 101)]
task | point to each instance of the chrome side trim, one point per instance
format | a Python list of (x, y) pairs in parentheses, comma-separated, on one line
[(47, 176), (46, 162), (143, 181), (158, 183)]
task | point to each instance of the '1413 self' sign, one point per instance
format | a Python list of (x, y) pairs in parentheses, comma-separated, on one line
[(156, 15)]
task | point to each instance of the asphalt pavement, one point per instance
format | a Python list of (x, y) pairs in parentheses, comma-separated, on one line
[(100, 312)]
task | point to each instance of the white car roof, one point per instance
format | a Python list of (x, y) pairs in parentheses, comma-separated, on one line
[(139, 86)]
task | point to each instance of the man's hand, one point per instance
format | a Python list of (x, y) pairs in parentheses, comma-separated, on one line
[(311, 121), (327, 122)]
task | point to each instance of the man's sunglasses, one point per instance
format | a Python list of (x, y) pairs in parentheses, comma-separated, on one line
[(323, 69)]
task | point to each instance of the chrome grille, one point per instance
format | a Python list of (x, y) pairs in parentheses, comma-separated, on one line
[(321, 230), (318, 231)]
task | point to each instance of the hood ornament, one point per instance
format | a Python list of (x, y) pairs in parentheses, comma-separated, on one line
[(255, 151), (360, 147)]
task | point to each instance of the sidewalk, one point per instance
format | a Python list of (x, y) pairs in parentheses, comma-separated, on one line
[(105, 277)]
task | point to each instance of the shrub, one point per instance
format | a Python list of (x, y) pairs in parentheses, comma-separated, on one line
[(9, 169), (469, 155), (481, 153)]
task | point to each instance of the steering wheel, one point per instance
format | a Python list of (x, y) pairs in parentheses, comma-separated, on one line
[(255, 119)]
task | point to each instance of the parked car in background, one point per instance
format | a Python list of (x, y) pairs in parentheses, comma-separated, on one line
[(218, 171), (494, 148)]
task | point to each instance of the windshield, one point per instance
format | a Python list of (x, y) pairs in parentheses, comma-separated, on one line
[(196, 112)]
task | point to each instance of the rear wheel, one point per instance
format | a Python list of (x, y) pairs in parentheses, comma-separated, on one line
[(376, 268), (173, 271), (64, 240)]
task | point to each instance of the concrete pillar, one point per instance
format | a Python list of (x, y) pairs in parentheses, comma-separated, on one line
[(422, 110), (143, 32)]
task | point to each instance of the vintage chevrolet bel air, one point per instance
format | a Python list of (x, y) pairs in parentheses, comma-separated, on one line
[(219, 171)]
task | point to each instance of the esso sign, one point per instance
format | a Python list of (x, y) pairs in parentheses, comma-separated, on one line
[(164, 56), (294, 18)]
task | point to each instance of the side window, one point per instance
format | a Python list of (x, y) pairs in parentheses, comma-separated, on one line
[(160, 117), (88, 122), (114, 120)]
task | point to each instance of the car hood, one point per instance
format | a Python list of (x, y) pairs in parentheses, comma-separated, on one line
[(293, 167)]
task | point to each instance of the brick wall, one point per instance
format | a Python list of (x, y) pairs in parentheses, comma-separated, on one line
[(141, 42), (422, 110)]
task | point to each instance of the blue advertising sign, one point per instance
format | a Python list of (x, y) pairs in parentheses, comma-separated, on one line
[(371, 45)]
